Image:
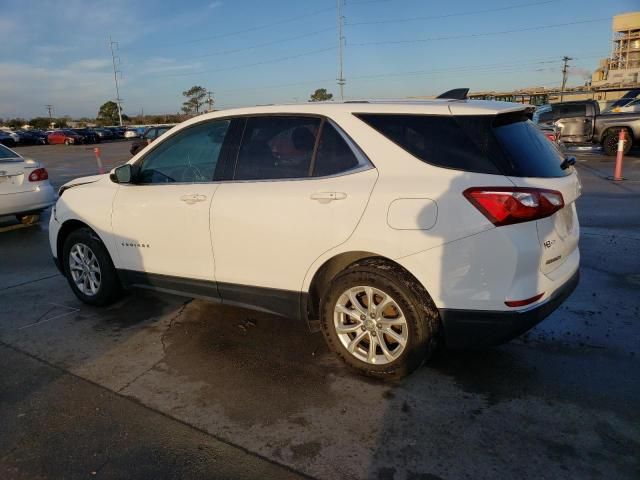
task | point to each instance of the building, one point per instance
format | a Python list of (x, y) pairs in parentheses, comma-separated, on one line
[(623, 67)]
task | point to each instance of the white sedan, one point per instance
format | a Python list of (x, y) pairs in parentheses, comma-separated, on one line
[(24, 187)]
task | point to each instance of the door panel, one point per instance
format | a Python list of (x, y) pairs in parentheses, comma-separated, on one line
[(161, 224), (156, 231), (268, 233)]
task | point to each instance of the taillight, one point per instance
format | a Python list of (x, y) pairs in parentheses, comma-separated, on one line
[(38, 175), (550, 136), (509, 205)]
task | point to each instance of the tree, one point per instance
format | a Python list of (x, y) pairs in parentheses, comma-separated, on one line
[(108, 113), (16, 123), (321, 95), (195, 99)]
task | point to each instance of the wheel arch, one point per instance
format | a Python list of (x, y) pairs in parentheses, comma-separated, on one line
[(67, 228), (328, 271), (616, 129)]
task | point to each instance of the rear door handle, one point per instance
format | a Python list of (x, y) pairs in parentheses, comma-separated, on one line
[(325, 197), (193, 198)]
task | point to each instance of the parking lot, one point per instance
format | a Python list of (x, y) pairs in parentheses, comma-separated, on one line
[(160, 386)]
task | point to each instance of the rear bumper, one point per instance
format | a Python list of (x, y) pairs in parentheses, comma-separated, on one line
[(26, 202), (482, 328)]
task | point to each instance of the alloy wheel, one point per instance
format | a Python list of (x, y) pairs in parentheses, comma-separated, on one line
[(370, 325), (84, 269)]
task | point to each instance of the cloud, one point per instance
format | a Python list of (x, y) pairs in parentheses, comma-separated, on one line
[(215, 4)]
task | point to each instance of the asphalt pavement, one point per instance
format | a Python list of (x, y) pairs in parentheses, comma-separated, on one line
[(158, 386)]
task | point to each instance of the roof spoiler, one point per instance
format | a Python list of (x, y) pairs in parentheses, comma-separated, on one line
[(455, 94)]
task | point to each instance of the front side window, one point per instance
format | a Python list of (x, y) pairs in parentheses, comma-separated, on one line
[(277, 147), (190, 156)]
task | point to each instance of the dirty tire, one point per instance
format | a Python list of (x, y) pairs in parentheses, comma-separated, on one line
[(610, 143), (109, 290), (422, 318), (28, 219)]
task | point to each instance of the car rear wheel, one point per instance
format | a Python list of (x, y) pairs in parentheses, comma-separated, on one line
[(610, 143), (379, 319), (89, 269)]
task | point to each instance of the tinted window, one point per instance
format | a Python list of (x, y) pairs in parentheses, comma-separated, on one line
[(276, 147), (334, 155), (189, 156), (438, 140), (528, 151), (509, 144), (567, 111)]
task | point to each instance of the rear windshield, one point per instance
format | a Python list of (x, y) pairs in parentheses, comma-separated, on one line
[(507, 144), (7, 155)]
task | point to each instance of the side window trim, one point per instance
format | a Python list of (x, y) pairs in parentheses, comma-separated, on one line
[(140, 162), (312, 163)]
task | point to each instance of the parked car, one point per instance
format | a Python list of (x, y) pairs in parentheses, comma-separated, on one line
[(118, 132), (66, 136), (12, 134), (24, 187), (131, 133), (88, 135), (392, 226), (6, 139), (581, 123), (32, 137), (104, 133), (149, 135)]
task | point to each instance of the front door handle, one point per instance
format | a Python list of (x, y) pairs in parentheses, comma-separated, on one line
[(326, 197), (193, 198)]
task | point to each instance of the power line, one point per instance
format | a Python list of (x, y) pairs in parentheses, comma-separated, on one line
[(448, 15), (461, 68), (258, 45), (246, 65), (473, 35), (253, 29)]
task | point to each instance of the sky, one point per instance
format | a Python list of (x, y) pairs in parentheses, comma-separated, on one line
[(279, 51)]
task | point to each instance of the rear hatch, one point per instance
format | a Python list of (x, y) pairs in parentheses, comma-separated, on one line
[(534, 162), (14, 173)]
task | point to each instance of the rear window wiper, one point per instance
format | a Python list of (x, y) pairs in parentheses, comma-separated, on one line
[(567, 162)]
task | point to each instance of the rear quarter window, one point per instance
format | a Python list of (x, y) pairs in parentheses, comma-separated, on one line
[(507, 144)]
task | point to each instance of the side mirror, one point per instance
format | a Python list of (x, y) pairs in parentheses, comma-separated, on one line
[(122, 174)]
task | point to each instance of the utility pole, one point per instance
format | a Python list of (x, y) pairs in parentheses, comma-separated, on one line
[(341, 80), (565, 71), (210, 100), (115, 77), (49, 109)]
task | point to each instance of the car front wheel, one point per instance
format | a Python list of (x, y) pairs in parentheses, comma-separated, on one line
[(89, 269), (379, 319)]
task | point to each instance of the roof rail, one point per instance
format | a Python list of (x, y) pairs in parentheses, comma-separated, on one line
[(455, 94)]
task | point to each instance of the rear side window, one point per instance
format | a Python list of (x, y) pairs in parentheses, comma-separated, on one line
[(334, 156), (568, 111), (508, 144), (437, 140)]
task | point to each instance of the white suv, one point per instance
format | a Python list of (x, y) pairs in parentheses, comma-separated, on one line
[(393, 227)]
